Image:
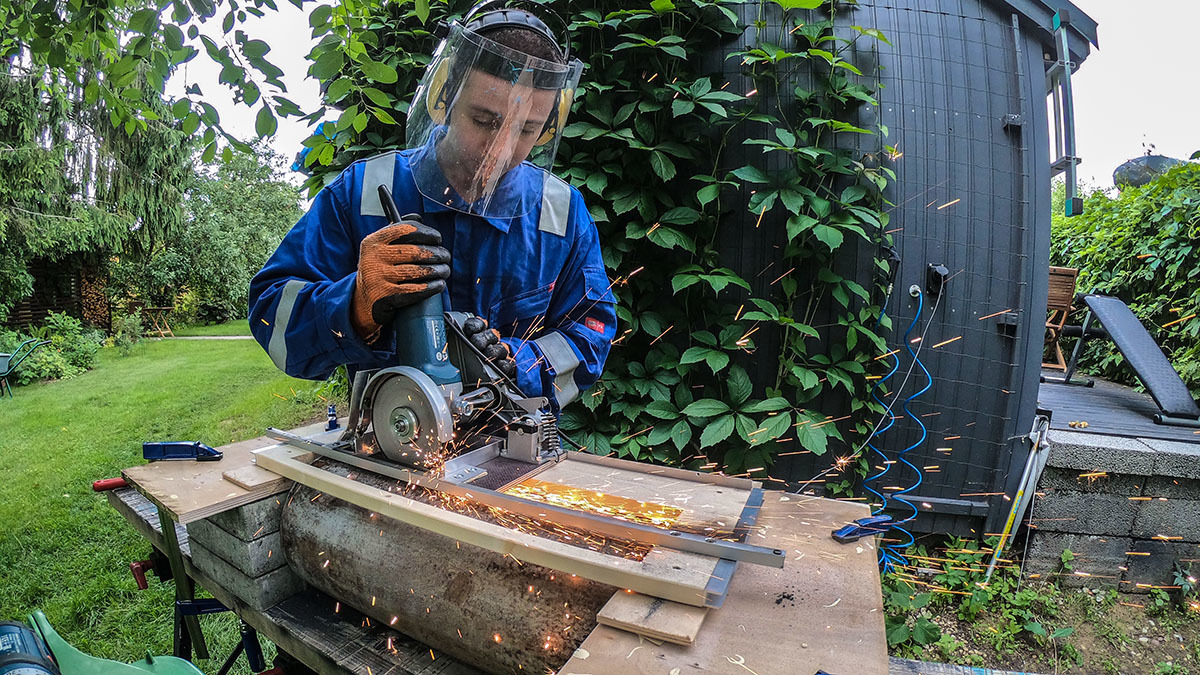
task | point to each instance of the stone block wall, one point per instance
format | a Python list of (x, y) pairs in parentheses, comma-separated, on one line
[(1128, 509)]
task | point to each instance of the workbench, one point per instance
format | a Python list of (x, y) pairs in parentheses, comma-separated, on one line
[(823, 610)]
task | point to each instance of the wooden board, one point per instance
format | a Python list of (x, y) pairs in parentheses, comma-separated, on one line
[(653, 617), (255, 477), (192, 491), (823, 610), (704, 507), (673, 575)]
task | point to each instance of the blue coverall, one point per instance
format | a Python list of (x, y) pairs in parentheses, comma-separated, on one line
[(538, 279)]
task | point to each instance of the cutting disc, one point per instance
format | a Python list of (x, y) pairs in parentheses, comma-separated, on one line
[(409, 416)]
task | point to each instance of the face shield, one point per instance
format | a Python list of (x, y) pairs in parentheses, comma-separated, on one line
[(485, 123)]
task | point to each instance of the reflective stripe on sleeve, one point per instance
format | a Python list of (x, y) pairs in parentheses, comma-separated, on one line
[(561, 357), (277, 348), (556, 205), (378, 170)]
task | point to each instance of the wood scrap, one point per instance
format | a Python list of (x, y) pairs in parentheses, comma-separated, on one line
[(653, 617)]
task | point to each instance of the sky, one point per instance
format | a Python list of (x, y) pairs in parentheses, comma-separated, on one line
[(1139, 87), (1136, 91)]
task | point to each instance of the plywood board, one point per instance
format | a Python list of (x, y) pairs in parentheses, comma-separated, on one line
[(823, 610), (704, 508), (653, 617), (191, 491), (673, 575), (254, 477)]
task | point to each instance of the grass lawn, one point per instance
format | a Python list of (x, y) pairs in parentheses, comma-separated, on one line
[(62, 548), (238, 327)]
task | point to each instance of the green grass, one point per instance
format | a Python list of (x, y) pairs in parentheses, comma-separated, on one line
[(62, 548), (237, 327)]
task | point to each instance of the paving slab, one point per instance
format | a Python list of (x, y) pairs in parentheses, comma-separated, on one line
[(1097, 452)]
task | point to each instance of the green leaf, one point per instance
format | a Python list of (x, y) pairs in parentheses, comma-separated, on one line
[(812, 438), (662, 6), (799, 4), (255, 48), (680, 215), (422, 8), (681, 434), (897, 633), (830, 236), (379, 72), (708, 193), (752, 174), (338, 89), (265, 123), (663, 410), (662, 165), (383, 116), (775, 426), (681, 106), (740, 385), (767, 405), (706, 407), (1061, 633), (327, 65), (1035, 628), (925, 632), (716, 431), (320, 16)]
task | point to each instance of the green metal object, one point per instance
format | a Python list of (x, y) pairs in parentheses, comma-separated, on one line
[(9, 362), (71, 661)]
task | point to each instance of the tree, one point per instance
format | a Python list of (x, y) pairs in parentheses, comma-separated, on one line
[(236, 217)]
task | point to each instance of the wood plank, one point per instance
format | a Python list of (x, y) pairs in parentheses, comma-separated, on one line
[(192, 491), (255, 477), (653, 617), (823, 610), (673, 575), (704, 508)]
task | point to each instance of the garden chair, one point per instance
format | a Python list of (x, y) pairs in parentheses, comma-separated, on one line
[(9, 362), (1058, 305)]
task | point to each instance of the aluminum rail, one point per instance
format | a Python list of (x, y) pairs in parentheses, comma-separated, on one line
[(612, 527)]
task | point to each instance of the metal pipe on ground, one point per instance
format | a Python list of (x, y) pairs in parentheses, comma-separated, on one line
[(483, 608)]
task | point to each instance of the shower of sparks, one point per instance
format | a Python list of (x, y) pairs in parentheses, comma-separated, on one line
[(1179, 320), (951, 203), (591, 501)]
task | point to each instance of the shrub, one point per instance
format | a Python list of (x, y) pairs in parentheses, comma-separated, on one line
[(1141, 246), (128, 330), (72, 349)]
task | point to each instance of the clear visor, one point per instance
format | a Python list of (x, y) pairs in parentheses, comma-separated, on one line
[(485, 123)]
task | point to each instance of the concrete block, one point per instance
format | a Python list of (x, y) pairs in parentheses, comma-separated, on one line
[(1172, 488), (1175, 458), (258, 592), (1152, 563), (256, 519), (1056, 479), (253, 558), (1098, 452), (1099, 558), (1168, 517), (1085, 513)]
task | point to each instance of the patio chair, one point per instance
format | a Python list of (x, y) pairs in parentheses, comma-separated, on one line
[(1058, 304), (9, 362)]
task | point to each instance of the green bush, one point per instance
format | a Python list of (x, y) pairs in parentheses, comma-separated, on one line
[(1141, 246), (72, 349), (128, 330)]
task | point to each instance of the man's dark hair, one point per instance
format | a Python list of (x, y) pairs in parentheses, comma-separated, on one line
[(526, 41)]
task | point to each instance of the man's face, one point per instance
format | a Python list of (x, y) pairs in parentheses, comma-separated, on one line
[(492, 127)]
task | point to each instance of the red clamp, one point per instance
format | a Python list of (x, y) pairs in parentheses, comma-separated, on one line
[(109, 484)]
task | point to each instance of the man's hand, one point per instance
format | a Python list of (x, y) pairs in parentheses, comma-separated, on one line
[(487, 341), (398, 266)]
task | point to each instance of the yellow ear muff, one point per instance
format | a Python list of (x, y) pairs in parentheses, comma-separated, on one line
[(564, 108), (434, 101)]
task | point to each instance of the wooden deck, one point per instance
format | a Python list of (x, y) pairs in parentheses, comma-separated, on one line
[(1109, 409)]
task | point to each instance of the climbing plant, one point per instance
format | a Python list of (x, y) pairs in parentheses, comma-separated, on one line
[(677, 101)]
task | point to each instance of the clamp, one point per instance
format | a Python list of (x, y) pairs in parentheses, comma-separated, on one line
[(863, 527), (153, 452)]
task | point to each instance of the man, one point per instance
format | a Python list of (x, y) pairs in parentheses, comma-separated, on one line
[(490, 227)]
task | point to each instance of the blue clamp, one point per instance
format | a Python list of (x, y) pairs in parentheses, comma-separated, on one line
[(863, 527), (332, 423), (153, 452)]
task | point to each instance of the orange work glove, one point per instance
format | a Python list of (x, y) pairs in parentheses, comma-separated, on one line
[(398, 266)]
